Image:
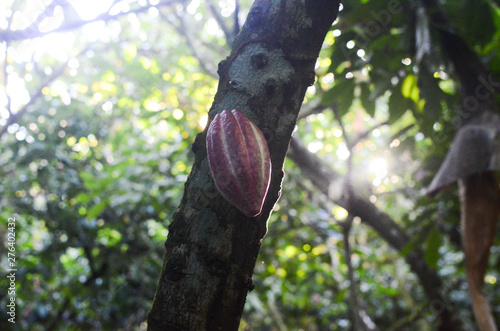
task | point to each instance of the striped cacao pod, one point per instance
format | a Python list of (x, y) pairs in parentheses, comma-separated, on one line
[(239, 161)]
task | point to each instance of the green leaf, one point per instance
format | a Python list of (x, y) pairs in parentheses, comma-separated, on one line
[(97, 209), (341, 94), (409, 88), (366, 99), (109, 237), (83, 198), (408, 248), (431, 253), (433, 95), (398, 105)]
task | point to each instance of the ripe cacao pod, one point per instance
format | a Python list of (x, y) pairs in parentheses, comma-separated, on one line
[(239, 161)]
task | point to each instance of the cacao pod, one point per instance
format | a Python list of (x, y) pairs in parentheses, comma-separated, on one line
[(239, 161)]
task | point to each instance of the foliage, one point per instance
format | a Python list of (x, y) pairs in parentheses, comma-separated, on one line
[(99, 122)]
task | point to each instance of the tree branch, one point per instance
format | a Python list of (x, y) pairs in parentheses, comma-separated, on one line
[(311, 108), (236, 28), (323, 176), (365, 134), (31, 32), (220, 21)]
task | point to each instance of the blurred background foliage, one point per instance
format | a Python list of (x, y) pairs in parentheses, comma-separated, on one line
[(101, 101)]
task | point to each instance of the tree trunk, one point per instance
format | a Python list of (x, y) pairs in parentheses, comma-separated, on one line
[(212, 247)]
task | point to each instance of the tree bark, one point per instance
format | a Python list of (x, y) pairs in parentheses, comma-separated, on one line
[(212, 247)]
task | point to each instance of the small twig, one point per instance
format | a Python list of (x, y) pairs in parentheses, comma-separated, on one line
[(220, 21), (275, 314), (353, 301), (368, 131), (314, 107), (182, 29), (402, 132), (342, 127), (214, 47), (47, 12), (415, 315), (236, 28), (361, 320), (348, 189)]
